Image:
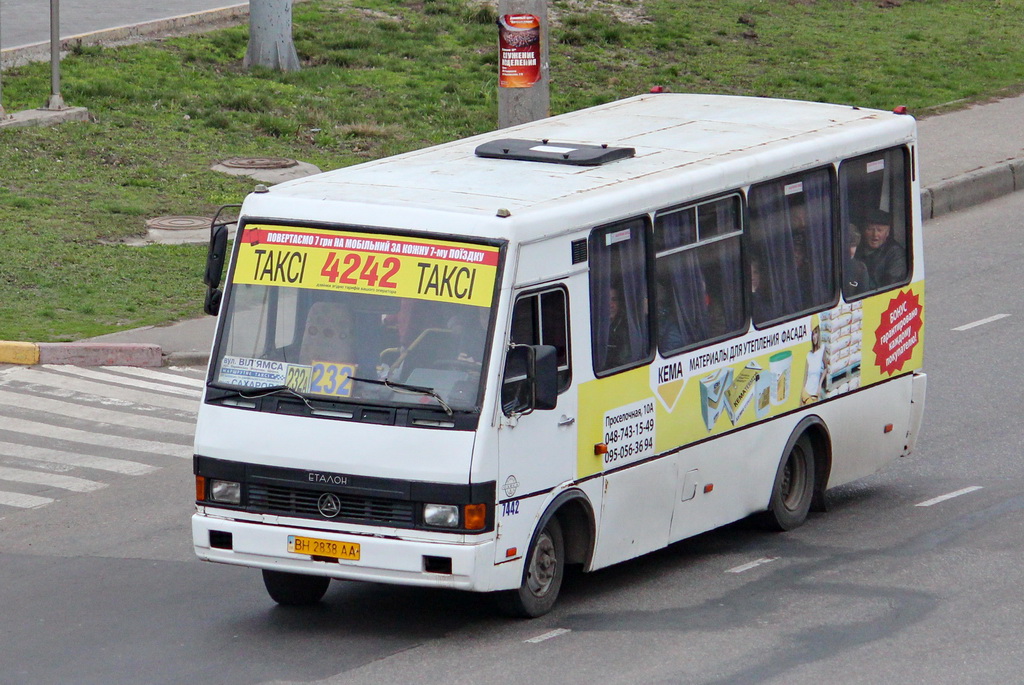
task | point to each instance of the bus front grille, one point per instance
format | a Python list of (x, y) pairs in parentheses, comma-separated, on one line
[(285, 501)]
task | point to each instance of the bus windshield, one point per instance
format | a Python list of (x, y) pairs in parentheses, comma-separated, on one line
[(358, 317)]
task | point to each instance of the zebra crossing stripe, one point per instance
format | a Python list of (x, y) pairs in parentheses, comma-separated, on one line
[(103, 389), (106, 377), (43, 454), (161, 376), (51, 405), (53, 480), (91, 438), (16, 499)]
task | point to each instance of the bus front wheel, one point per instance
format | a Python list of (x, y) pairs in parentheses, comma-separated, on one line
[(793, 489), (542, 577), (295, 589)]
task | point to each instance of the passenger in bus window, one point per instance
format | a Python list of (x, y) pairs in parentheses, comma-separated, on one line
[(855, 272), (619, 352), (883, 256), (470, 329)]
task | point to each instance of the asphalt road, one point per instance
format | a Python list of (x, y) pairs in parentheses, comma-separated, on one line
[(101, 587), (25, 22)]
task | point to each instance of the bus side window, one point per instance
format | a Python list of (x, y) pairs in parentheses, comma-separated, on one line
[(873, 213), (539, 318), (699, 274), (619, 301), (791, 230)]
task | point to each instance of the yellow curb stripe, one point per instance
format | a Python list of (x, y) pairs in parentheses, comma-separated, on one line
[(18, 352)]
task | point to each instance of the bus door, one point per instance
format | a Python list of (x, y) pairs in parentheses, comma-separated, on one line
[(537, 448)]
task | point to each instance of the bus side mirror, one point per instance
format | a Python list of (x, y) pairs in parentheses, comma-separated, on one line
[(215, 256), (215, 268), (530, 380)]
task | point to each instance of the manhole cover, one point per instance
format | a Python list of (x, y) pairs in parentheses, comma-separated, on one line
[(178, 223), (259, 163)]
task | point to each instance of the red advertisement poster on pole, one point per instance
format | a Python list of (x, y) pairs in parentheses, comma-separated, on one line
[(519, 39)]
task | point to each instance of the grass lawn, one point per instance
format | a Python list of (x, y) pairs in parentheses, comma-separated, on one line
[(381, 77)]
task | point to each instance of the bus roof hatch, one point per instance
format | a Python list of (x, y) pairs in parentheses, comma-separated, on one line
[(575, 154)]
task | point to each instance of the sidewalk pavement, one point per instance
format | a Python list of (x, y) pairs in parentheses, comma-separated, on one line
[(966, 157)]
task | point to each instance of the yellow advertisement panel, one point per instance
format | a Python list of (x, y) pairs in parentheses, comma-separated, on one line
[(438, 270), (647, 411)]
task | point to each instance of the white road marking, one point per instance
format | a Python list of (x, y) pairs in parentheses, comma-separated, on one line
[(159, 376), (125, 396), (94, 438), (53, 480), (753, 564), (16, 499), (93, 374), (548, 635), (980, 322), (951, 495), (79, 410), (125, 466)]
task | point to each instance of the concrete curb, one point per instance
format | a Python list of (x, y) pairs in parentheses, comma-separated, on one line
[(127, 35), (972, 188), (80, 354)]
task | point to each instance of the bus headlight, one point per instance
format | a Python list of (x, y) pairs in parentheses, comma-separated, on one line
[(441, 515), (225, 491)]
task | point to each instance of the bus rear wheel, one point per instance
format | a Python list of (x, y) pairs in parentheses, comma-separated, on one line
[(793, 489), (295, 589), (542, 577)]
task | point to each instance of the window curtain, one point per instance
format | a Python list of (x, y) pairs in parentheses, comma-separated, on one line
[(774, 251), (683, 315), (621, 264), (818, 196), (729, 264)]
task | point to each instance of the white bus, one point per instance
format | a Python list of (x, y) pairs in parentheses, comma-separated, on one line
[(573, 341)]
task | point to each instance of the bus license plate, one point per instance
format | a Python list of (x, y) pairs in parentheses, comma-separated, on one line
[(316, 547)]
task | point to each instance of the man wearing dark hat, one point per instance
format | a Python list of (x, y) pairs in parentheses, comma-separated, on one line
[(885, 259)]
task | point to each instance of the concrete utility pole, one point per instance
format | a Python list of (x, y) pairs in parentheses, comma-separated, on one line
[(3, 114), (270, 36), (56, 101), (523, 80)]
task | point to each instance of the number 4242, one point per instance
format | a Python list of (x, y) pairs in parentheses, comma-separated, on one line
[(353, 268)]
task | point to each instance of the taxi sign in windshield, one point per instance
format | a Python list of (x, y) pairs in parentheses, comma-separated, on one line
[(439, 270)]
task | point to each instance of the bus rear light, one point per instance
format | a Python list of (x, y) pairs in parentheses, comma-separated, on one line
[(475, 516), (200, 488)]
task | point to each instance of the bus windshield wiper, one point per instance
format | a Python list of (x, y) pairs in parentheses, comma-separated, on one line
[(405, 387), (256, 393)]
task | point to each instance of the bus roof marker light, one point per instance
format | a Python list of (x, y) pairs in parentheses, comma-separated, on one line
[(902, 109), (503, 213), (708, 488), (600, 448), (888, 428)]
